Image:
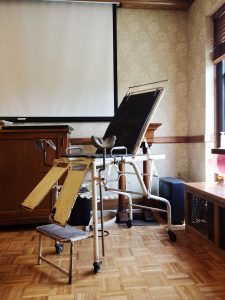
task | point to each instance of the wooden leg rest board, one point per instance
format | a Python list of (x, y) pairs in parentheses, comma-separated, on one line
[(67, 196), (44, 186)]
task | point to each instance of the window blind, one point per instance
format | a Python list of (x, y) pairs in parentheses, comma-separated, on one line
[(219, 35)]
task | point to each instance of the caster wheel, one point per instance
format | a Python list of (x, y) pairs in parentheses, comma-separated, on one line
[(97, 266), (59, 247), (172, 236), (129, 224)]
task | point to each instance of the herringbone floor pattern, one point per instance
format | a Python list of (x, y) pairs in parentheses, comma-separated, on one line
[(140, 263)]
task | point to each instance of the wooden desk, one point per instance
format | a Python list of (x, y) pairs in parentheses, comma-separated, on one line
[(22, 165), (150, 133), (205, 211), (149, 138)]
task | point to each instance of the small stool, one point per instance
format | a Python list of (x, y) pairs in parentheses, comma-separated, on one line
[(67, 234)]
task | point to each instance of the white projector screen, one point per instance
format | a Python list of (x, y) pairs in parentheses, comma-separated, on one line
[(58, 61)]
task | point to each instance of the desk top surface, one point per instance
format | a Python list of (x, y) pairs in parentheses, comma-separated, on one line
[(34, 129), (214, 190), (37, 127)]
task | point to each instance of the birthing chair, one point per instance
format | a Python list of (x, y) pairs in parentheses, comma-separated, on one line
[(120, 144)]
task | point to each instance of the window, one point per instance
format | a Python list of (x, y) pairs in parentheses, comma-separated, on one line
[(219, 60), (220, 100)]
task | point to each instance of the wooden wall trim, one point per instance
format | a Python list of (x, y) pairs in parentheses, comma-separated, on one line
[(152, 4), (179, 139), (170, 140), (196, 139), (157, 4), (157, 140)]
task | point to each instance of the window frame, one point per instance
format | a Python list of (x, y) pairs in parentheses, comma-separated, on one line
[(220, 101)]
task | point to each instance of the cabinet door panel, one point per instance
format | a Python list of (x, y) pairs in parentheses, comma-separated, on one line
[(21, 168), (23, 164)]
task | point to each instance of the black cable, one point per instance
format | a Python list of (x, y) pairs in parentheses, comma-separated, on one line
[(105, 233)]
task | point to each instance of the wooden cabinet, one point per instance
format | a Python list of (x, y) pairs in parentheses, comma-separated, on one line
[(205, 211), (25, 157)]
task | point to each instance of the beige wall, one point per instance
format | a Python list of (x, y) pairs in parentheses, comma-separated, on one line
[(152, 46)]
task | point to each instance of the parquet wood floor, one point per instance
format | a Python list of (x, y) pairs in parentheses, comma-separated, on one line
[(140, 263)]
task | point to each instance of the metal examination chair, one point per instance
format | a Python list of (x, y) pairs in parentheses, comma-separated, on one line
[(120, 144)]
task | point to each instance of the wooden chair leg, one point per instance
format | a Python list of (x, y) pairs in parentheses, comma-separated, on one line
[(40, 249)]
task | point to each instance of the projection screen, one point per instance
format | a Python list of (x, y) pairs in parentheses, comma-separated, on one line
[(58, 61)]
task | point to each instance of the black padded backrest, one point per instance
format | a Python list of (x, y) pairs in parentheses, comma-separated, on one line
[(133, 118)]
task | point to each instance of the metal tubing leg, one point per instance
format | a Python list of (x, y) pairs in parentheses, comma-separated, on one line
[(101, 211), (95, 178), (102, 226), (40, 249), (169, 219), (118, 192), (71, 262), (168, 208)]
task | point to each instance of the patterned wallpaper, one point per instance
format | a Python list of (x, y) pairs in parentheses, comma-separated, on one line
[(211, 6), (152, 46)]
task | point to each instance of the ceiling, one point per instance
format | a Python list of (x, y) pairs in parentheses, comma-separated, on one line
[(152, 4)]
